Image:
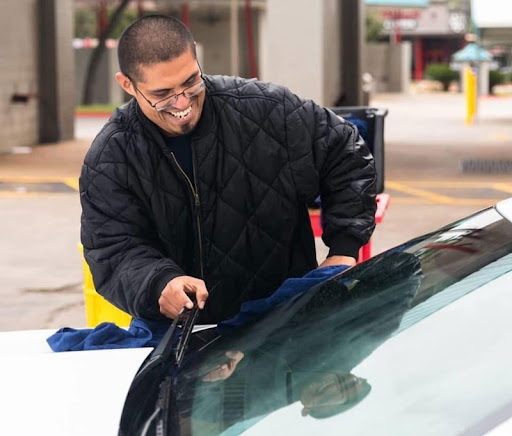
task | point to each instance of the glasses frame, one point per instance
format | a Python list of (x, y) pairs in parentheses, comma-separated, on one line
[(174, 97)]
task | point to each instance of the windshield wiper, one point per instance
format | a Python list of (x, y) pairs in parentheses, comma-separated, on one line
[(162, 351), (166, 346), (186, 332)]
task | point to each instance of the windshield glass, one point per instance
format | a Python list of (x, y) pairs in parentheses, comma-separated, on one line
[(315, 361)]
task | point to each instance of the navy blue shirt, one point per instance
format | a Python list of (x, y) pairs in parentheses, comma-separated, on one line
[(181, 147)]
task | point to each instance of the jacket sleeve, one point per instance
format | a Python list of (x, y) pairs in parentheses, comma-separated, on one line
[(120, 246), (329, 158)]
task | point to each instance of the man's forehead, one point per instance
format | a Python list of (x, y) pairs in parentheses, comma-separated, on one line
[(169, 74)]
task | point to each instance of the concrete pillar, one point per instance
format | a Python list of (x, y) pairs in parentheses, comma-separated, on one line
[(18, 75), (56, 70), (352, 43), (291, 51), (299, 47)]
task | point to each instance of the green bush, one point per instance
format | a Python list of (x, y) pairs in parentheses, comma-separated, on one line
[(496, 77), (442, 73)]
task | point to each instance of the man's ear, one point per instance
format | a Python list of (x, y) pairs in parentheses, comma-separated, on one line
[(125, 83)]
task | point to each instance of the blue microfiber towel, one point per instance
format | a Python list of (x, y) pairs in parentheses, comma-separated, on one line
[(362, 126), (253, 310), (107, 335)]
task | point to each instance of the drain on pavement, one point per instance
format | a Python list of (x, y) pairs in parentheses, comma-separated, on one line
[(486, 166)]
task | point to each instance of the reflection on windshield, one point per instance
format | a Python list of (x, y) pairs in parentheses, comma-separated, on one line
[(290, 356), (307, 351)]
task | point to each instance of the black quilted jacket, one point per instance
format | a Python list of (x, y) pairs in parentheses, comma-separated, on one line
[(260, 153)]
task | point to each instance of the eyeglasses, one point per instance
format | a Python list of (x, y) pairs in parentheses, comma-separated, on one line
[(171, 100)]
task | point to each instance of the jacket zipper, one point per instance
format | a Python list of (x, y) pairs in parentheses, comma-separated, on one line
[(197, 210)]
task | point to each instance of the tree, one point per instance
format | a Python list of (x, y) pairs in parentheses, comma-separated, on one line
[(85, 23), (99, 51), (374, 27)]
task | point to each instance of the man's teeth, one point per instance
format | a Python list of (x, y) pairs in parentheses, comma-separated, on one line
[(182, 114)]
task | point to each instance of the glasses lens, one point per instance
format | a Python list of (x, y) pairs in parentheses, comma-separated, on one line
[(167, 103), (189, 92), (193, 90)]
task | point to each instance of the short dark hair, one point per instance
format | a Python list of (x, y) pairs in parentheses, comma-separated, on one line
[(150, 40)]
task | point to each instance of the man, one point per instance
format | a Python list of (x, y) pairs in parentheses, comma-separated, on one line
[(201, 182)]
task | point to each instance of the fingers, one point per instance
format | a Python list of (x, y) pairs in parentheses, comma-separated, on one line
[(171, 303), (175, 295), (235, 356), (224, 370)]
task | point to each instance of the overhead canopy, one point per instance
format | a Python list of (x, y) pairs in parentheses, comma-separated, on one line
[(472, 53), (398, 3)]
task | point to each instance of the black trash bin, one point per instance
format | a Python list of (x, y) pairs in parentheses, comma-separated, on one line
[(370, 122)]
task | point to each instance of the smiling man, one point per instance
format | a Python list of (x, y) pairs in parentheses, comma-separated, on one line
[(201, 182)]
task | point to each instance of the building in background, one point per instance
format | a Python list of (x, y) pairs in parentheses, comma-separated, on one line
[(313, 47), (435, 29), (493, 20)]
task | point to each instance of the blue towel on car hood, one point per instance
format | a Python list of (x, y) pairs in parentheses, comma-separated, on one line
[(148, 333), (107, 335), (253, 310)]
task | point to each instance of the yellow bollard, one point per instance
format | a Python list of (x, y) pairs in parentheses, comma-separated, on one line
[(471, 95), (97, 309)]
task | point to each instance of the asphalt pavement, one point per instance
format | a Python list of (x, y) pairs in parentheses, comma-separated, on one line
[(427, 150)]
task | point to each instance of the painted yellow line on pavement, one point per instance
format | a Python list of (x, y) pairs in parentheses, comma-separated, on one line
[(14, 194), (436, 198), (503, 187), (72, 182), (30, 179)]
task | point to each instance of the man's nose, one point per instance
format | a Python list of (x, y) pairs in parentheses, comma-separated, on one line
[(182, 102)]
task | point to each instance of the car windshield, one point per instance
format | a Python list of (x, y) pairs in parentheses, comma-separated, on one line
[(389, 346)]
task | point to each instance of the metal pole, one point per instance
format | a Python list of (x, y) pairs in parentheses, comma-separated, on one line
[(234, 38)]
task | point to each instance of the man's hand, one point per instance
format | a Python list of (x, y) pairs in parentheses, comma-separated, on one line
[(338, 260), (174, 296), (225, 370)]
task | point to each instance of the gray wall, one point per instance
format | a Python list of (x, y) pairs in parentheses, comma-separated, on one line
[(19, 73), (35, 53), (300, 47), (389, 64)]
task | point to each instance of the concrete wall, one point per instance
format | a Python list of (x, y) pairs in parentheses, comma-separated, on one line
[(300, 47), (35, 53), (390, 66), (19, 73)]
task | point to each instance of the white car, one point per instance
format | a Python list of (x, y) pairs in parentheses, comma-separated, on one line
[(414, 341)]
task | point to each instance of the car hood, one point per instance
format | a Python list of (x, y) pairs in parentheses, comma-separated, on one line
[(47, 393)]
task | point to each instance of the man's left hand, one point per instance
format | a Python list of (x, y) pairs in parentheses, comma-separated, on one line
[(338, 260)]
